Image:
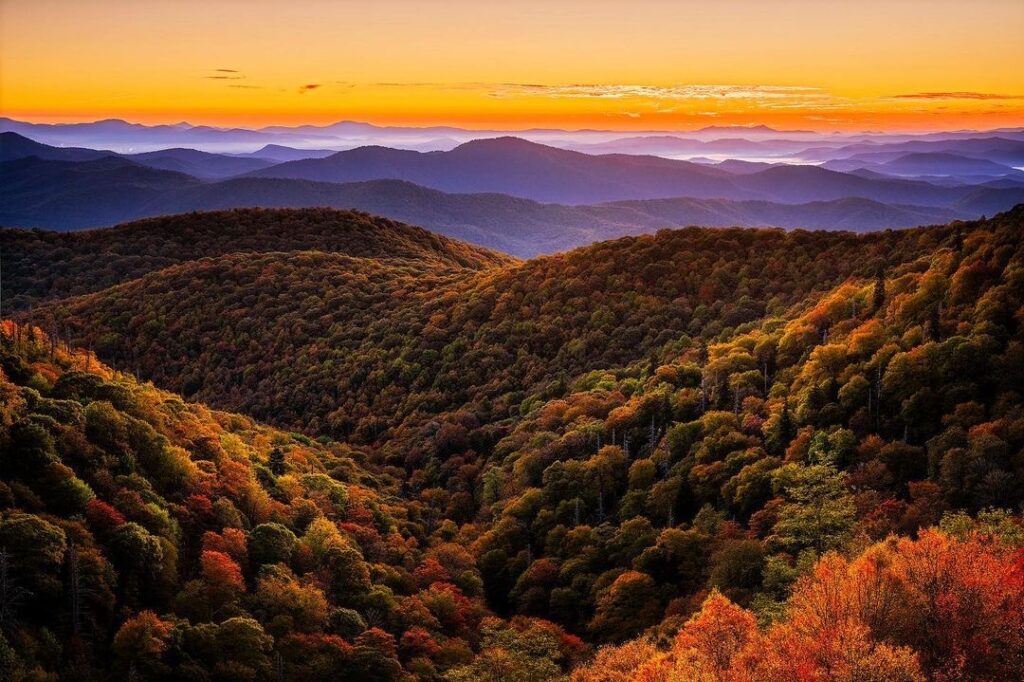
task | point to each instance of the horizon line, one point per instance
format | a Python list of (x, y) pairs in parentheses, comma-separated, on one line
[(625, 131)]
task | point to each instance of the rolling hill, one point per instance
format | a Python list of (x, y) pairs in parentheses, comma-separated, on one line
[(1008, 151), (279, 153), (259, 552), (199, 164), (643, 436), (103, 191), (926, 164), (14, 146), (82, 262), (491, 322)]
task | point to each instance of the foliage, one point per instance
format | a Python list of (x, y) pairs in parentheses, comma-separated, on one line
[(739, 436), (934, 608)]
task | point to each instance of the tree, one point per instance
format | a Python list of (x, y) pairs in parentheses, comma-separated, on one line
[(347, 574), (242, 643), (715, 635), (140, 557), (818, 512), (878, 295), (276, 461), (12, 595), (271, 543), (37, 547), (523, 651), (141, 642), (629, 604), (222, 574), (286, 606)]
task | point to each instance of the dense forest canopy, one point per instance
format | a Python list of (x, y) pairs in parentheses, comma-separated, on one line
[(41, 265), (316, 354), (703, 454)]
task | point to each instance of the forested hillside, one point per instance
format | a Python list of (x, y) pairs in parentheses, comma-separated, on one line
[(41, 265), (143, 537), (715, 433), (330, 351)]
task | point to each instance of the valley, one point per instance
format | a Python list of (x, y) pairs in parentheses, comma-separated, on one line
[(472, 457)]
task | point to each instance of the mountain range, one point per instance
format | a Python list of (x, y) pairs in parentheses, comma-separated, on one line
[(510, 194)]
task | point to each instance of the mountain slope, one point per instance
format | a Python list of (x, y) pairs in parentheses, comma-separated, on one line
[(189, 161), (487, 335), (732, 463), (517, 167), (199, 164), (279, 153), (798, 184), (38, 193), (600, 438), (997, 149), (529, 170), (48, 265), (73, 195), (926, 164), (526, 228), (143, 536), (14, 146)]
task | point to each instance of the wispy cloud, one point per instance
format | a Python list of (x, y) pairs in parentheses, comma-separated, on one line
[(246, 87), (303, 89), (659, 98), (225, 75), (661, 93), (955, 95), (658, 92)]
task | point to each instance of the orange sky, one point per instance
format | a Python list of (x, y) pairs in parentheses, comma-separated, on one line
[(642, 64)]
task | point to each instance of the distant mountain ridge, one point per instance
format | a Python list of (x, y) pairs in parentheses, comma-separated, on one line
[(507, 193), (533, 171), (49, 195), (14, 146)]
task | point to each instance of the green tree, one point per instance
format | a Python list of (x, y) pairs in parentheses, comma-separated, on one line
[(271, 543), (818, 511)]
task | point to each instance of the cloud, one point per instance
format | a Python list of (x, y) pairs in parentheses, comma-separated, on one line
[(955, 95), (658, 98), (225, 75), (303, 89), (671, 93), (658, 92), (246, 87)]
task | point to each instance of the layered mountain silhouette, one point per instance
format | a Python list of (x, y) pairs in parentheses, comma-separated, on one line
[(533, 171), (509, 194), (925, 164)]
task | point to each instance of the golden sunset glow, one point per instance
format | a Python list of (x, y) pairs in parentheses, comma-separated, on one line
[(903, 64)]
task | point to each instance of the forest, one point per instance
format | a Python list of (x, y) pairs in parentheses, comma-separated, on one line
[(315, 444)]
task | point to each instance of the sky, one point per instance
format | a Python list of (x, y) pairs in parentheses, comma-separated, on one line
[(629, 65)]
